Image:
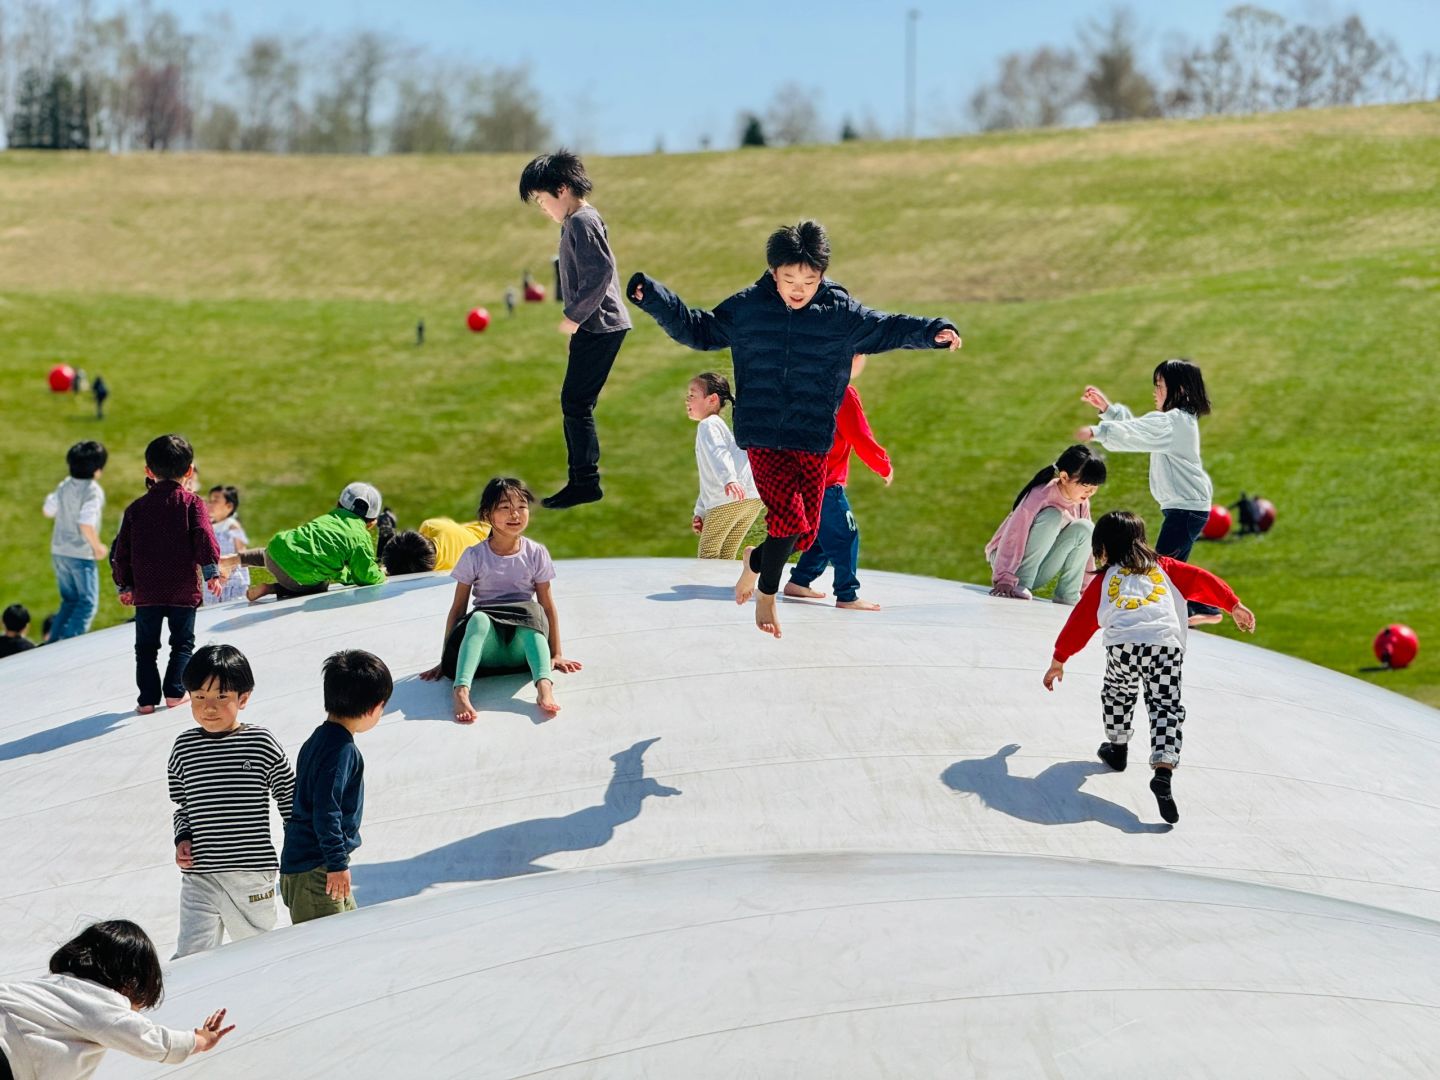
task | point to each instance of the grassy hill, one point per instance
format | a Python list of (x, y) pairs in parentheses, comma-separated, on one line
[(265, 307)]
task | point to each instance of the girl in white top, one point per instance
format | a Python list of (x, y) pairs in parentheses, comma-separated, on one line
[(729, 501), (1171, 435), (58, 1027), (223, 503)]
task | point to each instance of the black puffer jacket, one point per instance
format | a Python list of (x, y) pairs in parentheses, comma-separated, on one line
[(791, 367)]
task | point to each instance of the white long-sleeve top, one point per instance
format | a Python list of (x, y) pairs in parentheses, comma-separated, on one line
[(58, 1027), (1178, 480), (720, 461)]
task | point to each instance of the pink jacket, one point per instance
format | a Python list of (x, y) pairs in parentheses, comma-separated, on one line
[(1007, 546)]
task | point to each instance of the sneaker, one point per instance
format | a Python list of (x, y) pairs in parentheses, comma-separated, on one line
[(1114, 754), (1160, 786), (572, 495)]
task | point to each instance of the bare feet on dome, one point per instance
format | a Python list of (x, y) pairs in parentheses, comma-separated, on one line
[(464, 711), (765, 614), (801, 591), (545, 697), (745, 587), (258, 592), (858, 605)]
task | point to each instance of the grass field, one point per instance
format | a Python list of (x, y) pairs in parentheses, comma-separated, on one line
[(265, 307)]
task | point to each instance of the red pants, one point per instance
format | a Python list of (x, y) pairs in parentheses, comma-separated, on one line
[(792, 487)]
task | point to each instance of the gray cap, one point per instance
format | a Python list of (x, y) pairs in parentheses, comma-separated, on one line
[(360, 492)]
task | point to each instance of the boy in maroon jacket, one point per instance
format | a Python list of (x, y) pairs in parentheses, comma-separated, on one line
[(164, 535)]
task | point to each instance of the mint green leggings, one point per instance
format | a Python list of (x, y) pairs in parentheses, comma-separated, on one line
[(482, 647)]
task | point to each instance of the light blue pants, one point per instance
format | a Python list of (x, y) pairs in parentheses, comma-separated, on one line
[(79, 581), (1055, 549)]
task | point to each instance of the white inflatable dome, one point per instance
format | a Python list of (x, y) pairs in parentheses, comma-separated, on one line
[(876, 847)]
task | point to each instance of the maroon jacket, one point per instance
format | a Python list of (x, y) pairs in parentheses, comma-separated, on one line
[(164, 535)]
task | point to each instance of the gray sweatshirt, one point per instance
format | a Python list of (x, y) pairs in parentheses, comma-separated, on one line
[(72, 504), (589, 282), (1177, 478)]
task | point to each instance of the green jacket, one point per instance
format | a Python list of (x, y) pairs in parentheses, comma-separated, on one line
[(334, 547)]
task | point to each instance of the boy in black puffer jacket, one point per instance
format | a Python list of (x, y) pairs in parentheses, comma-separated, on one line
[(792, 336)]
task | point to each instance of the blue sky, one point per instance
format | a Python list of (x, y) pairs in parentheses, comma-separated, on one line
[(620, 76)]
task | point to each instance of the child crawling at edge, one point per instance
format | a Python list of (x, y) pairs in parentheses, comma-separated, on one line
[(791, 336), (513, 623)]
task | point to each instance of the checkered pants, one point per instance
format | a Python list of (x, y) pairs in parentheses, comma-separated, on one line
[(792, 486), (1157, 668)]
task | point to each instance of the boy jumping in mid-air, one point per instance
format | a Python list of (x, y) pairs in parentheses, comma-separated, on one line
[(792, 336), (595, 319)]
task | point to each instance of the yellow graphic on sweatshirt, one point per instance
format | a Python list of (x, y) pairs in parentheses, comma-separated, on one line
[(1131, 597)]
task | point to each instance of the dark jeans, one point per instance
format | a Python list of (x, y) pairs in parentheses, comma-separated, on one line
[(591, 358), (837, 543), (5, 1073), (148, 623), (1178, 534)]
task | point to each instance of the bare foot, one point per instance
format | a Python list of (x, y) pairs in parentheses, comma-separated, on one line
[(545, 697), (858, 605), (765, 614), (1205, 620), (745, 587), (464, 711), (791, 589), (258, 592), (144, 710), (176, 702)]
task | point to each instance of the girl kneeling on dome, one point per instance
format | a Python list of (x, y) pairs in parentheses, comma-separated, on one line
[(1139, 599), (512, 625)]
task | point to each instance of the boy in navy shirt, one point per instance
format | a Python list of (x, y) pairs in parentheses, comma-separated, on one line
[(324, 825)]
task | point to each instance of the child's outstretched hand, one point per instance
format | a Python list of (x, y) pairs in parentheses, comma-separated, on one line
[(639, 293), (1054, 675), (697, 523), (1094, 396), (1244, 618), (569, 667), (949, 338), (210, 1032), (1085, 434), (890, 476)]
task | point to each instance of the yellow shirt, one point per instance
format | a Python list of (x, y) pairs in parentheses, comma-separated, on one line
[(451, 538)]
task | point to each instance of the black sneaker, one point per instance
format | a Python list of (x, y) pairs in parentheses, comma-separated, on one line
[(1114, 754), (1160, 785), (573, 495)]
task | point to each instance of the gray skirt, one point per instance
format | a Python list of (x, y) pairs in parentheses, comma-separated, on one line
[(505, 618)]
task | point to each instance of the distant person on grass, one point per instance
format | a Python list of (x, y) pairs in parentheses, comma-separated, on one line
[(837, 543), (223, 775), (792, 337), (324, 825), (164, 535), (1138, 599), (512, 623), (595, 317), (1046, 535), (223, 504), (100, 392), (75, 548), (337, 546), (58, 1027), (728, 503), (16, 620)]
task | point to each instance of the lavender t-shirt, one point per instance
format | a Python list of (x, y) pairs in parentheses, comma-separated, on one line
[(504, 579)]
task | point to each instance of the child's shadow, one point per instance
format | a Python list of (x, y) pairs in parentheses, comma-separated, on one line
[(696, 592), (76, 731), (515, 849), (416, 699), (346, 596), (1051, 798)]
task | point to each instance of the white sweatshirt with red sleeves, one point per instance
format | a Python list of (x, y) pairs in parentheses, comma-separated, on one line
[(1144, 607)]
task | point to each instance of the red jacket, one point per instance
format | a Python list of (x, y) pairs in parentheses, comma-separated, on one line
[(1194, 584), (164, 535), (852, 432)]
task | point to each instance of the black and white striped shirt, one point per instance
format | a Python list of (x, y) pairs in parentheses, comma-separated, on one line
[(223, 785)]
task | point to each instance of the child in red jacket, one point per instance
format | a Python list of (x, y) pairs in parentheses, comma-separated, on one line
[(1139, 599), (838, 541)]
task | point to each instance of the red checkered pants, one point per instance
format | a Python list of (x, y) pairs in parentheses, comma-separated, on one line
[(792, 487)]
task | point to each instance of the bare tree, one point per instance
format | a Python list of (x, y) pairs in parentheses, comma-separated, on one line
[(1362, 67), (1302, 57), (502, 113), (422, 121), (218, 128), (1035, 89), (1113, 84), (271, 79), (793, 117), (162, 113)]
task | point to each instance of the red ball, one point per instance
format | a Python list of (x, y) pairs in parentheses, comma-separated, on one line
[(62, 377), (478, 319), (1396, 645), (1217, 525), (1264, 515), (534, 293)]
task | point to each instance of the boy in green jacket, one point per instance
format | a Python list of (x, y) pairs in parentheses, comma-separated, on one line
[(337, 546)]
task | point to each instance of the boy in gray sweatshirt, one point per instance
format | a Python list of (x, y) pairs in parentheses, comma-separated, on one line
[(75, 546), (595, 318)]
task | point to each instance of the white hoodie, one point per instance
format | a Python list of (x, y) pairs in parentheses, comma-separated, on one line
[(58, 1027), (720, 461), (1177, 478), (1141, 608)]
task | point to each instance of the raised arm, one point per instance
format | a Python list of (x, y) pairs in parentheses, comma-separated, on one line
[(694, 328), (1154, 432), (855, 427), (877, 331)]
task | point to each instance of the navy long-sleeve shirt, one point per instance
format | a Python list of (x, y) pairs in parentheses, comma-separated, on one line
[(324, 825)]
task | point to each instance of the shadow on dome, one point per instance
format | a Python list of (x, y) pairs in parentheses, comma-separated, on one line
[(695, 592), (515, 849), (1053, 797), (76, 731), (348, 596)]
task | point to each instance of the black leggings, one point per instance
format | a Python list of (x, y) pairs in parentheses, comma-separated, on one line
[(5, 1073), (769, 559)]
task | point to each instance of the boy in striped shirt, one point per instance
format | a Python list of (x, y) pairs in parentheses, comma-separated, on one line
[(222, 777)]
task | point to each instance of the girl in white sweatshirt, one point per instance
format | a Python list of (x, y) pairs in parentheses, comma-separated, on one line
[(58, 1027), (1171, 435), (729, 502)]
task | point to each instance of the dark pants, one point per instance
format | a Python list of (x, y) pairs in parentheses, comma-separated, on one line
[(1178, 534), (837, 543), (591, 358), (148, 623), (5, 1073)]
